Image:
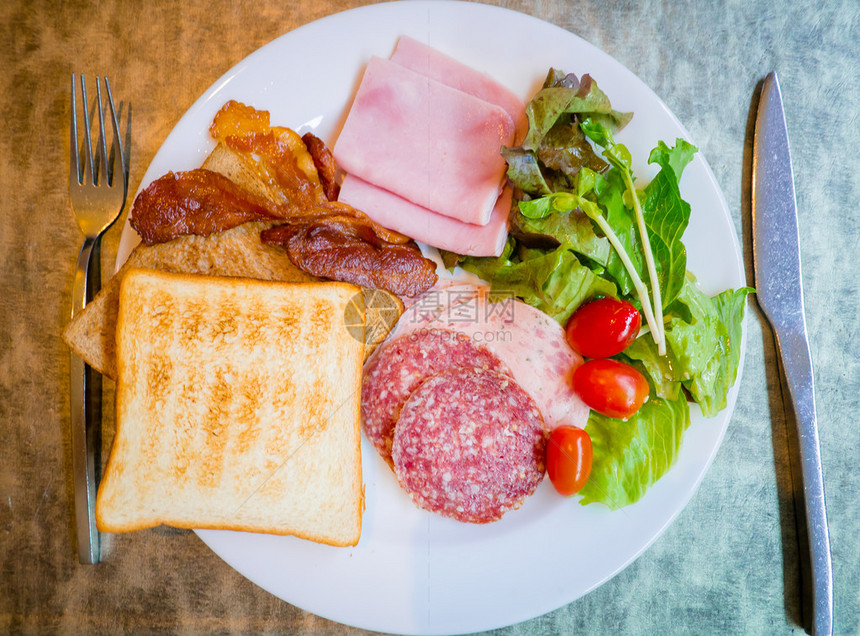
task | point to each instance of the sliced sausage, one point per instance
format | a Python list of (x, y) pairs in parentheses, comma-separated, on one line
[(469, 444)]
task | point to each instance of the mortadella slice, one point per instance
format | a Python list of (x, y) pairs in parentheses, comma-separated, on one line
[(398, 214), (445, 301), (426, 142), (426, 60), (532, 345)]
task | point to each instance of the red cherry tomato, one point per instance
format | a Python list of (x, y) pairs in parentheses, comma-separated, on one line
[(568, 459), (603, 328), (610, 387)]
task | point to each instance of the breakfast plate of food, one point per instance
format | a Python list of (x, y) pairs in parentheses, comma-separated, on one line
[(452, 184)]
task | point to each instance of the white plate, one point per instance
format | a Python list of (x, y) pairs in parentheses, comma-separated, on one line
[(413, 572)]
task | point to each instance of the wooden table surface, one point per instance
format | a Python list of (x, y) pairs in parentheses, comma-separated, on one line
[(728, 564)]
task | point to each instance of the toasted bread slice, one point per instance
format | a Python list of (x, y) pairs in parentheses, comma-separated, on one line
[(235, 252), (237, 407), (235, 167)]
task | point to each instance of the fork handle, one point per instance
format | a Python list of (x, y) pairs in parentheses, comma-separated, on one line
[(85, 398)]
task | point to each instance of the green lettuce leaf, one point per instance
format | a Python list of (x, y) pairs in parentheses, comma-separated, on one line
[(609, 192), (705, 348), (660, 370), (554, 282), (667, 216), (525, 172), (570, 229), (563, 97), (665, 213), (630, 456)]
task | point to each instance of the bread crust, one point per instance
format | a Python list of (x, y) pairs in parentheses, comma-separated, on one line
[(237, 407)]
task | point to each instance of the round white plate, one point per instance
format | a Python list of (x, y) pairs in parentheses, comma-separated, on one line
[(413, 572)]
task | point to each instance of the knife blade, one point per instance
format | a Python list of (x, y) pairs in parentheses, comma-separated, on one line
[(779, 289)]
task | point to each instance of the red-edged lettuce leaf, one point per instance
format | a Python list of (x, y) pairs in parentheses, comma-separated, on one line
[(555, 148)]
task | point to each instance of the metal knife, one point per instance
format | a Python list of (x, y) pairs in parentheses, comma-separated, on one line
[(776, 255)]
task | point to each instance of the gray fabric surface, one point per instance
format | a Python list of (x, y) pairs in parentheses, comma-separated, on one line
[(728, 564)]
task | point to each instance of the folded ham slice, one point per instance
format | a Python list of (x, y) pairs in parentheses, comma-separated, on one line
[(400, 215), (431, 144), (426, 60)]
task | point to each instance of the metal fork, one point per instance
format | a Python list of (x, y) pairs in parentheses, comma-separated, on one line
[(98, 186)]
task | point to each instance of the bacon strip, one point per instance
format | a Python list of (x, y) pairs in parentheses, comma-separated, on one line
[(322, 250), (326, 166), (195, 202), (323, 237), (201, 201)]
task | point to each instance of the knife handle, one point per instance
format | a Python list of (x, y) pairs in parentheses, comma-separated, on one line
[(85, 403), (797, 366)]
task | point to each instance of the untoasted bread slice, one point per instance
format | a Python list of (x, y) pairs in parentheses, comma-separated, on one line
[(237, 407)]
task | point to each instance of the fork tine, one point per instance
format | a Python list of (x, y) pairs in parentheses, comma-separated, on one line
[(74, 148), (87, 138), (103, 172), (125, 118), (116, 138)]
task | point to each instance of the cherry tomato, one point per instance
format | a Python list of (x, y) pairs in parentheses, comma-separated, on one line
[(603, 328), (568, 459), (610, 387)]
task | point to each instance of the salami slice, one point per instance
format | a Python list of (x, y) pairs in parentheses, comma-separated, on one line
[(396, 370), (469, 444)]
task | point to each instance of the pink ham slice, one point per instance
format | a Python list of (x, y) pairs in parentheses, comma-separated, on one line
[(426, 226), (426, 142), (428, 61)]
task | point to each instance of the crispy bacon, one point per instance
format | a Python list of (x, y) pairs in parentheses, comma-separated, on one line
[(195, 202), (201, 201), (326, 167), (322, 236), (327, 252), (281, 159), (236, 119)]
